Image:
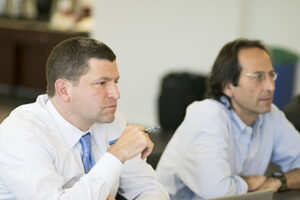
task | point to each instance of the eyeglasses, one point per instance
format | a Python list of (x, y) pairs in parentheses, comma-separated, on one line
[(261, 76)]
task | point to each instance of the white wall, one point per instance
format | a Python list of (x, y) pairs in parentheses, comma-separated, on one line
[(276, 22), (151, 38), (154, 37)]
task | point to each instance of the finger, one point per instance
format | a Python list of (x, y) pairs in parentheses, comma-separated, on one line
[(148, 150), (141, 128), (145, 153), (110, 198)]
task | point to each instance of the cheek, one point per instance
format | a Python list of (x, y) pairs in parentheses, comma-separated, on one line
[(244, 94), (85, 98), (251, 90), (97, 98)]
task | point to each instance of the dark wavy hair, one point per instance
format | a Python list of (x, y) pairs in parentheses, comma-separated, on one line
[(226, 68), (69, 59)]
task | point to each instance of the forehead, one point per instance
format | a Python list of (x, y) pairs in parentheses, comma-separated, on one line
[(254, 60), (100, 68)]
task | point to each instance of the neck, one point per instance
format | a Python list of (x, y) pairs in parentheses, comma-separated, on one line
[(246, 116), (63, 109), (248, 120)]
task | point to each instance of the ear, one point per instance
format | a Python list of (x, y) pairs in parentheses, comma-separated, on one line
[(62, 88), (227, 89)]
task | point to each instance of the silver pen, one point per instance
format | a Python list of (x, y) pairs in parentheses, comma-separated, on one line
[(148, 130)]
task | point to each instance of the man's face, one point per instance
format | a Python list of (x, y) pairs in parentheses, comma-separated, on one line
[(254, 93), (94, 97)]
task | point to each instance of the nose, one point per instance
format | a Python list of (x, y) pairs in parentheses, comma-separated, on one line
[(269, 84), (114, 91)]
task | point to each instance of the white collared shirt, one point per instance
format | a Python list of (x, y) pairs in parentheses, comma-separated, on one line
[(40, 158)]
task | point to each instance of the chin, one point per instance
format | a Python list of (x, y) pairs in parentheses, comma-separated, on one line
[(265, 110), (107, 119)]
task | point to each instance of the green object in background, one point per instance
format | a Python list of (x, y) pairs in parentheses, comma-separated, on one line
[(281, 56), (285, 63)]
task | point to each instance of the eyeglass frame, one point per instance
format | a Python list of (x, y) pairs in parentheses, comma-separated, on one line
[(261, 76)]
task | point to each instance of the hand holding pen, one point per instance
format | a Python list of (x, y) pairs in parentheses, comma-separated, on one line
[(133, 141)]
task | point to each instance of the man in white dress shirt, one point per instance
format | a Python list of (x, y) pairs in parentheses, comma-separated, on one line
[(40, 152)]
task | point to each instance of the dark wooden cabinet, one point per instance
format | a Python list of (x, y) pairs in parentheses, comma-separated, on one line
[(7, 60), (24, 49)]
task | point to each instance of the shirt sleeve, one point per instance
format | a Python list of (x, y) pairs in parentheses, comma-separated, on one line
[(30, 172), (286, 151), (139, 181), (206, 163)]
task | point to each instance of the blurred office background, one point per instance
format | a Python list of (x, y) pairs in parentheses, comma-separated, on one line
[(150, 39)]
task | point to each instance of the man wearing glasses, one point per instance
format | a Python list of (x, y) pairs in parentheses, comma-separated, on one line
[(226, 143)]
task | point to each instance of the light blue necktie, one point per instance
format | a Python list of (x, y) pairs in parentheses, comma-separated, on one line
[(87, 157)]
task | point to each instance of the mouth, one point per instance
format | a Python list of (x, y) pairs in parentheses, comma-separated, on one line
[(267, 100), (114, 106)]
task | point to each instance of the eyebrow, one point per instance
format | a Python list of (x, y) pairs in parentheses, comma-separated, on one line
[(107, 78), (263, 71)]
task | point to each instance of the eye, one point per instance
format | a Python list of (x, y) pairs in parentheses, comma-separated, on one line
[(101, 83), (273, 75), (259, 76)]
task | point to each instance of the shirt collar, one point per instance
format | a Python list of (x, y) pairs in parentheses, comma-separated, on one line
[(242, 126), (70, 133)]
